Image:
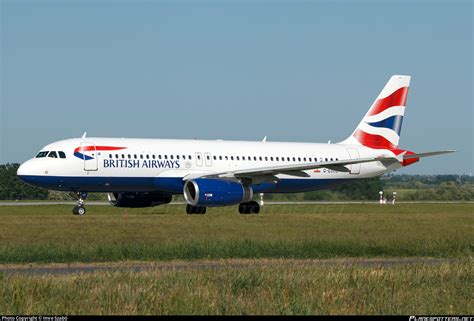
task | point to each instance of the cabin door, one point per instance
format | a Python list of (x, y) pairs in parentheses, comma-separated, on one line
[(88, 153), (354, 154)]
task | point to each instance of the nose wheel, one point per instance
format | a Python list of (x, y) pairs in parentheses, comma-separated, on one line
[(79, 209)]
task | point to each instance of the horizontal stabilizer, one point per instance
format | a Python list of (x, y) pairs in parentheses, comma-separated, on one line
[(417, 155)]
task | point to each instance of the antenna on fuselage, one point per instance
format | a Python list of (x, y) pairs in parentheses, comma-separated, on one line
[(84, 135)]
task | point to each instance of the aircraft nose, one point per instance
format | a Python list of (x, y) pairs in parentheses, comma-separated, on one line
[(22, 170), (26, 172)]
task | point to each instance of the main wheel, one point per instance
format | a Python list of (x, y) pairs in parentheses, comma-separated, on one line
[(195, 209), (190, 209), (254, 207), (244, 208)]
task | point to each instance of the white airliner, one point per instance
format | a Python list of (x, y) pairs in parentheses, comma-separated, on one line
[(147, 172)]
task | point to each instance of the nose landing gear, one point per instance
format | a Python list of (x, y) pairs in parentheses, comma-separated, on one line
[(79, 209)]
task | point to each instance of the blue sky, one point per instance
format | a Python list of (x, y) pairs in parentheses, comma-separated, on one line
[(289, 70)]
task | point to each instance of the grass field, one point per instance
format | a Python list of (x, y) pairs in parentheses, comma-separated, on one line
[(440, 289), (53, 234)]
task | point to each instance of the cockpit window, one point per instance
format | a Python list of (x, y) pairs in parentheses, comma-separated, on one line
[(41, 154), (53, 155), (61, 154)]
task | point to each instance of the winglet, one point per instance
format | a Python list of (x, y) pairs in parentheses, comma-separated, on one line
[(84, 135), (264, 139)]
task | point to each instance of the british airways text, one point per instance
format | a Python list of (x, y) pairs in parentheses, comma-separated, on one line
[(130, 163)]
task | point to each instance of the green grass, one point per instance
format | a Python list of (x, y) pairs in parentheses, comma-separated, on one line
[(434, 289), (53, 234)]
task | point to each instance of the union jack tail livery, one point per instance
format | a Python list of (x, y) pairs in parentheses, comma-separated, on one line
[(380, 128)]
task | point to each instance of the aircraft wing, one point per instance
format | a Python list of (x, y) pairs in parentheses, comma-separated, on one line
[(293, 169), (296, 169)]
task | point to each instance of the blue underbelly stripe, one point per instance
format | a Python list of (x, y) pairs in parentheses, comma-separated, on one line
[(167, 184)]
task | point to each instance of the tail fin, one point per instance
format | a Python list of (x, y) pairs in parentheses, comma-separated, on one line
[(380, 128)]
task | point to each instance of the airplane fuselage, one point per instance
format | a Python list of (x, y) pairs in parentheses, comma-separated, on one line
[(143, 165)]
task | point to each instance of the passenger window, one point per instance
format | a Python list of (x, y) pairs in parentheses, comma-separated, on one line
[(123, 156), (271, 158), (294, 159), (153, 156), (41, 154), (260, 158), (147, 156), (304, 159), (62, 155), (237, 157), (177, 156), (310, 159), (266, 158), (129, 156), (231, 157), (189, 156), (135, 156), (288, 159), (141, 156), (215, 158), (116, 155), (159, 156), (220, 157), (255, 158), (171, 156), (277, 159), (110, 155), (52, 155), (299, 159)]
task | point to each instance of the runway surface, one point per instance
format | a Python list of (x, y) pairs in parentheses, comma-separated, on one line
[(63, 269)]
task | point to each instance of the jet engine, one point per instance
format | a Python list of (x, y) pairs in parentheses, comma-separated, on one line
[(216, 192)]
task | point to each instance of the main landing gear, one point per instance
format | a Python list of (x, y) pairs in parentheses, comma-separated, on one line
[(249, 208), (195, 209), (79, 209)]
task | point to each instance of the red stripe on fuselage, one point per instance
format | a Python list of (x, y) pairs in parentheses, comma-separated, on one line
[(97, 148), (397, 98)]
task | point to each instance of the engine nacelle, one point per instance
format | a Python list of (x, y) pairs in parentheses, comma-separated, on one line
[(135, 200), (215, 192)]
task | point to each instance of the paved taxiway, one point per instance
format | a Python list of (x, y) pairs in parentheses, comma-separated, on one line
[(62, 269)]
